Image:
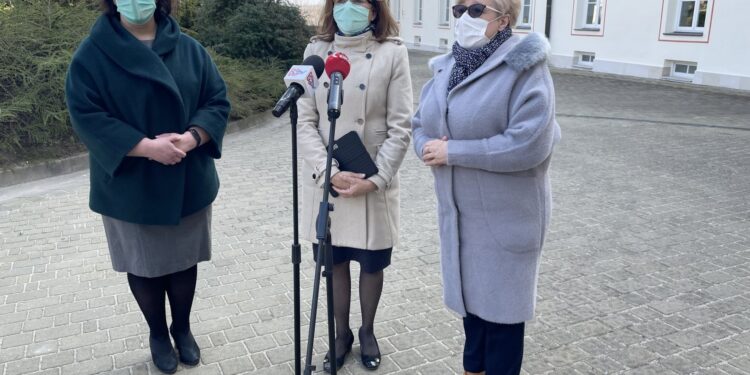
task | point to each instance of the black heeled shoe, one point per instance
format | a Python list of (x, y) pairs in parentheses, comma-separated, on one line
[(339, 359), (370, 362), (163, 354), (190, 353)]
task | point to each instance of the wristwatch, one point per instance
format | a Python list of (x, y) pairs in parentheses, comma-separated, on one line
[(197, 136)]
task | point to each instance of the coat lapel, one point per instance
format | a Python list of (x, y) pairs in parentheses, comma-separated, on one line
[(442, 67), (133, 56)]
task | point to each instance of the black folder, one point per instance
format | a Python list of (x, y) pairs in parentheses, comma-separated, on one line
[(353, 157)]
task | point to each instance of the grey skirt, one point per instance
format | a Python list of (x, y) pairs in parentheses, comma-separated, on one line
[(158, 250)]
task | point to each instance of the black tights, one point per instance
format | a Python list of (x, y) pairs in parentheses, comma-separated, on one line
[(150, 293), (370, 290)]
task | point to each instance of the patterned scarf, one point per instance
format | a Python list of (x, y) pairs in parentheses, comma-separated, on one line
[(468, 61)]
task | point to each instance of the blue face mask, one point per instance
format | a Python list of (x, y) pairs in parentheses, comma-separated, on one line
[(350, 18), (137, 12)]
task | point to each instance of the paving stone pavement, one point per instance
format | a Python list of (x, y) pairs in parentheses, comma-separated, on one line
[(646, 269)]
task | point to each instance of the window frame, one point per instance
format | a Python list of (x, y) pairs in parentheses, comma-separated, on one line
[(597, 11), (445, 15), (525, 5), (395, 6), (418, 12), (694, 28), (683, 76)]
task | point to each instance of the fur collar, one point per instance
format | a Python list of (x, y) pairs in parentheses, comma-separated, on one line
[(523, 55)]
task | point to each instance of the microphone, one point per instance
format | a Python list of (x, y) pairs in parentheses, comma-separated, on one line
[(301, 80), (337, 68)]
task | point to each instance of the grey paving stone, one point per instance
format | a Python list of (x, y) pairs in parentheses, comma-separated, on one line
[(645, 271)]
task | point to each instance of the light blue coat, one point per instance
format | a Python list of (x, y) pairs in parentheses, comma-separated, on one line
[(494, 195)]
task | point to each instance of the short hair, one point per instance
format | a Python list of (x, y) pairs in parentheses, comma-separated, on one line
[(510, 7), (163, 7), (385, 25)]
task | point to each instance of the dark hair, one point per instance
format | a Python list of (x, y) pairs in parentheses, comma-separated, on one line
[(385, 25), (163, 7)]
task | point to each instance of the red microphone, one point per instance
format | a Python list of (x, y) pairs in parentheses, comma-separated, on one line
[(338, 62), (337, 68)]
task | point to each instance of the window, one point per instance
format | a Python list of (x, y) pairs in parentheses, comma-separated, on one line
[(691, 15), (585, 59), (417, 40), (593, 14), (524, 21), (418, 12), (684, 70), (395, 6), (443, 43), (445, 12)]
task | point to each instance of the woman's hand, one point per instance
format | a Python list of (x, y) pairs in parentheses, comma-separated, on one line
[(344, 180), (435, 152), (163, 150), (357, 185), (185, 141)]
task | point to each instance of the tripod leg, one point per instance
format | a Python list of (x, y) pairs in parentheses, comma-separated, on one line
[(329, 293), (309, 368)]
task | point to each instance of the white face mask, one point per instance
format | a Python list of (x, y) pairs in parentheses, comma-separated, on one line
[(471, 32)]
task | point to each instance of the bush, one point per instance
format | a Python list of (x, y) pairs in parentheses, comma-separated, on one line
[(37, 42), (253, 85), (258, 29)]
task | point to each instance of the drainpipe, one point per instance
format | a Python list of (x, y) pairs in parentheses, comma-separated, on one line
[(548, 22)]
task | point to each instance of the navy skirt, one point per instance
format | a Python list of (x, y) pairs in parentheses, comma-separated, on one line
[(370, 261)]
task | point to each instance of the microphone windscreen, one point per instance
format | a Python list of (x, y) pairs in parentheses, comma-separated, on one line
[(317, 63), (338, 62)]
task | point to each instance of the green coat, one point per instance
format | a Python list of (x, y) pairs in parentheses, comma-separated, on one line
[(119, 91)]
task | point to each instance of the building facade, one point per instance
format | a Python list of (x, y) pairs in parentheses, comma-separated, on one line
[(698, 41)]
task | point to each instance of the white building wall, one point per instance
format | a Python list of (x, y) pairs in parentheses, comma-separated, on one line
[(634, 38)]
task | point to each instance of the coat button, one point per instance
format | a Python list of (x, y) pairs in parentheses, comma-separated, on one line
[(361, 122), (369, 55), (314, 176), (325, 84), (362, 87)]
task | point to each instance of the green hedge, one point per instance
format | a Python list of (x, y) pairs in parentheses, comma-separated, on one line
[(37, 41)]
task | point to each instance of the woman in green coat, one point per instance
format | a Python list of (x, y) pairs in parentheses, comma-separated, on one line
[(151, 107)]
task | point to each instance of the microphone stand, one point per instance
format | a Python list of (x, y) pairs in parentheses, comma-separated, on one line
[(325, 255), (296, 249)]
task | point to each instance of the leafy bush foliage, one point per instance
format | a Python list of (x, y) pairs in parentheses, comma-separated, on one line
[(259, 29), (37, 42)]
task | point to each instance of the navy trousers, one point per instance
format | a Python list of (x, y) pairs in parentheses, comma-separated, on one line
[(492, 347)]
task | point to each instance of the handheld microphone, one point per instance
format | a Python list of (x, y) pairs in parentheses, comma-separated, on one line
[(338, 68), (301, 80)]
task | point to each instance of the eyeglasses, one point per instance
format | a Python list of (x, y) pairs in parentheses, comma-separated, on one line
[(475, 10)]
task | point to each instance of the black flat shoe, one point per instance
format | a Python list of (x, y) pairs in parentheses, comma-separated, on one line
[(163, 355), (339, 359), (190, 353), (370, 362)]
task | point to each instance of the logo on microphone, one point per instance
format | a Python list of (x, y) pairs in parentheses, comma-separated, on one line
[(311, 80)]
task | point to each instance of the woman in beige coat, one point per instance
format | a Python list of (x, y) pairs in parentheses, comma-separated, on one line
[(378, 106)]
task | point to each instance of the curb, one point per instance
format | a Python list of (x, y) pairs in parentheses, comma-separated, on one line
[(58, 167)]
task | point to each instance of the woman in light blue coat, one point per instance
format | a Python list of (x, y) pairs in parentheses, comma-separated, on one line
[(486, 126)]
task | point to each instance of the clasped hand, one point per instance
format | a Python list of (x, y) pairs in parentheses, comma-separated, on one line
[(350, 185), (170, 148), (435, 152)]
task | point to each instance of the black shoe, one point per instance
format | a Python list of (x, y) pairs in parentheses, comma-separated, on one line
[(370, 362), (339, 359), (190, 353), (163, 355)]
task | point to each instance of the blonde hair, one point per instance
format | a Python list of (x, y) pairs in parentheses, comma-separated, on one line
[(510, 7)]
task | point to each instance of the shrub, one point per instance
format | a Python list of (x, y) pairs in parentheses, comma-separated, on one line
[(37, 40), (258, 29)]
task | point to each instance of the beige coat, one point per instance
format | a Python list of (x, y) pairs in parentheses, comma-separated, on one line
[(378, 106)]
